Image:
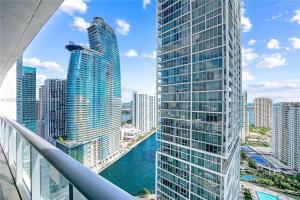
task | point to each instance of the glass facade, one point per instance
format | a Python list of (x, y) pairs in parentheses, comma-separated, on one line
[(26, 95), (54, 103), (199, 98), (93, 98)]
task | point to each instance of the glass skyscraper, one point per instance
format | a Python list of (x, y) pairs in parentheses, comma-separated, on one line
[(54, 103), (93, 99), (26, 95), (199, 98)]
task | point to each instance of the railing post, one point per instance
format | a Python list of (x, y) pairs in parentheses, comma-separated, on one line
[(36, 175), (19, 159)]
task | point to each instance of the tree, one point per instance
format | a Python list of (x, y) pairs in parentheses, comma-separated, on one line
[(247, 194), (143, 192)]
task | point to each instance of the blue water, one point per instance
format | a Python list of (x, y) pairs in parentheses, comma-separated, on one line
[(258, 159), (251, 115), (247, 149), (247, 178), (266, 196), (136, 169)]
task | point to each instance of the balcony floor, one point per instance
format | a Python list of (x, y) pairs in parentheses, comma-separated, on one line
[(8, 188)]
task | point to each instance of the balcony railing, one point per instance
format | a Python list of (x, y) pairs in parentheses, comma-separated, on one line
[(41, 171)]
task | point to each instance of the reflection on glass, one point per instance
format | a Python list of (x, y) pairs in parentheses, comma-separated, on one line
[(26, 164), (53, 184)]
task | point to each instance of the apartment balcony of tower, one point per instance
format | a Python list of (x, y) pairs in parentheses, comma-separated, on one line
[(31, 167)]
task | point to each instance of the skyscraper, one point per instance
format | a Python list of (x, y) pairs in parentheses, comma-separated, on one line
[(244, 118), (26, 95), (55, 108), (144, 111), (285, 137), (41, 113), (262, 112), (199, 98), (93, 100)]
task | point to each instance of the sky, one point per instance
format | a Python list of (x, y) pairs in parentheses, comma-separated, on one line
[(270, 44)]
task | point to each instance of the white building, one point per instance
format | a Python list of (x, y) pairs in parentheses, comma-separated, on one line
[(285, 139), (144, 111), (129, 132), (244, 118), (262, 112)]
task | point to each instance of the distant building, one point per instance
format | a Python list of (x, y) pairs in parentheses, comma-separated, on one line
[(285, 137), (26, 95), (41, 114), (129, 132), (144, 111), (55, 108), (93, 100), (262, 112), (244, 117)]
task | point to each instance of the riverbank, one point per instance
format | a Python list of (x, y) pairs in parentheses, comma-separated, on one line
[(126, 147), (135, 170)]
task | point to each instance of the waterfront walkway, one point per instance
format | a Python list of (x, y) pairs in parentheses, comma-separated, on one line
[(8, 188)]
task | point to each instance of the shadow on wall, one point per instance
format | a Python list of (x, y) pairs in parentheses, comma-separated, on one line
[(8, 94)]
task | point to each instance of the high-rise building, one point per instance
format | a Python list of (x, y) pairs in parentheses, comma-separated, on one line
[(262, 112), (244, 118), (285, 137), (199, 97), (144, 111), (55, 108), (93, 100), (26, 95), (41, 114)]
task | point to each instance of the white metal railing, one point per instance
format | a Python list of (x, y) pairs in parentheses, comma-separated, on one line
[(41, 171)]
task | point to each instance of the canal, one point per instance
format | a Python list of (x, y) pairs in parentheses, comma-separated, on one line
[(136, 169)]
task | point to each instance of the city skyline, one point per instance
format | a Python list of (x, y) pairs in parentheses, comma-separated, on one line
[(269, 53)]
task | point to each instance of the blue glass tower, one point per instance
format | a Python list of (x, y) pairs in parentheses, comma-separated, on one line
[(26, 95), (93, 98)]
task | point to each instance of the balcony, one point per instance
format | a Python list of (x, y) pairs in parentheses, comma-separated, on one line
[(41, 171)]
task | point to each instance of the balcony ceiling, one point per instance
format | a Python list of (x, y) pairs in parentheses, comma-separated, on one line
[(20, 21)]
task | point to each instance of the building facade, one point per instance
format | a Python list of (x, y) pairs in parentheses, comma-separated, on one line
[(285, 137), (244, 118), (199, 99), (93, 100), (262, 112), (40, 122), (26, 95), (55, 108), (144, 111)]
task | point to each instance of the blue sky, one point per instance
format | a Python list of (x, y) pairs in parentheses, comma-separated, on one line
[(270, 40)]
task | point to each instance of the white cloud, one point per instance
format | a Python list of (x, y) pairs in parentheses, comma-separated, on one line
[(252, 42), (272, 61), (80, 24), (245, 21), (146, 3), (131, 53), (72, 6), (247, 76), (248, 55), (35, 62), (123, 27), (41, 77), (296, 17), (152, 55), (280, 90), (273, 44), (295, 42)]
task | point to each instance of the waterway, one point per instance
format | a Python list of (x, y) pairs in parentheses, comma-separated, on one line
[(136, 169)]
